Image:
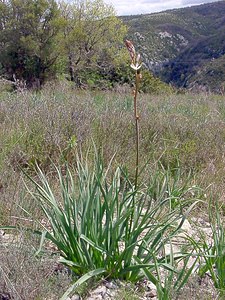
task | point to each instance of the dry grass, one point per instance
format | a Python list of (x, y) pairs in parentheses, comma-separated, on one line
[(24, 276), (43, 127), (51, 125)]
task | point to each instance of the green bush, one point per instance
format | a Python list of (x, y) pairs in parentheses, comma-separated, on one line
[(153, 85)]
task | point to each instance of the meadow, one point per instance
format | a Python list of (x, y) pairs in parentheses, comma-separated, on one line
[(51, 136)]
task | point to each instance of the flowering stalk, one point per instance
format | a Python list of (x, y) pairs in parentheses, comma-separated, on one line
[(135, 65)]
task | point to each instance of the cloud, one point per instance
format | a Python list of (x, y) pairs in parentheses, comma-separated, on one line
[(193, 2), (133, 7)]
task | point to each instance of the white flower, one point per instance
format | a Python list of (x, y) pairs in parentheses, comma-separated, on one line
[(136, 66)]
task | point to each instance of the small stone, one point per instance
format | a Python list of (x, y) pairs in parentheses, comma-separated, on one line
[(2, 232), (5, 296), (186, 228), (75, 297), (111, 285), (152, 293), (95, 297), (110, 294), (101, 290), (150, 286)]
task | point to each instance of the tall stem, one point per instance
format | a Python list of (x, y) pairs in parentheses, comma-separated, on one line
[(136, 116)]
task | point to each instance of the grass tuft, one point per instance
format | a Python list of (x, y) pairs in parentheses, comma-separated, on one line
[(102, 225)]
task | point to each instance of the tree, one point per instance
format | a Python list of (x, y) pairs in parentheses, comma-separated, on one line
[(30, 33), (38, 36), (93, 35)]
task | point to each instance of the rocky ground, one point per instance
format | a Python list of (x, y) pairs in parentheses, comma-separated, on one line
[(108, 290)]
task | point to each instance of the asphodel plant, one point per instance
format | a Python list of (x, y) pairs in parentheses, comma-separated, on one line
[(136, 66)]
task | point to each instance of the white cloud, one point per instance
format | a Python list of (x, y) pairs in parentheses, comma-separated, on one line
[(133, 7), (193, 2)]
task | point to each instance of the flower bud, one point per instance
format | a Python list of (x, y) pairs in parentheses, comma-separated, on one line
[(131, 49)]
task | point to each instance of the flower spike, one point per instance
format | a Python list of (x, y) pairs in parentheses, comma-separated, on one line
[(131, 49), (135, 65), (135, 59)]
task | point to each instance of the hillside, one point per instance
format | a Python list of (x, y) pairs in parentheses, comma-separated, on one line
[(182, 46)]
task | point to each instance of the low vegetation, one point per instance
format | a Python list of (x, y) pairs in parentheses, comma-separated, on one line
[(68, 176)]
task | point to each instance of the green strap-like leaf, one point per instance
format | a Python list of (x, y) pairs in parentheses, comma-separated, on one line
[(81, 280)]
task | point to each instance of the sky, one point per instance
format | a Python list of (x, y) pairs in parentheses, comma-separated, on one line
[(135, 7)]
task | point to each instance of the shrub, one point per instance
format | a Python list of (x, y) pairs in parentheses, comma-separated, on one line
[(153, 85)]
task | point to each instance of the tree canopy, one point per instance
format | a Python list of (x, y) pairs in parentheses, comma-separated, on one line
[(42, 38)]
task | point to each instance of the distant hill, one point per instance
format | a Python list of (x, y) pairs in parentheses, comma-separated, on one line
[(185, 47)]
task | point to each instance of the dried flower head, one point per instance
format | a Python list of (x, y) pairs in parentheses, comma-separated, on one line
[(135, 59), (131, 49)]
